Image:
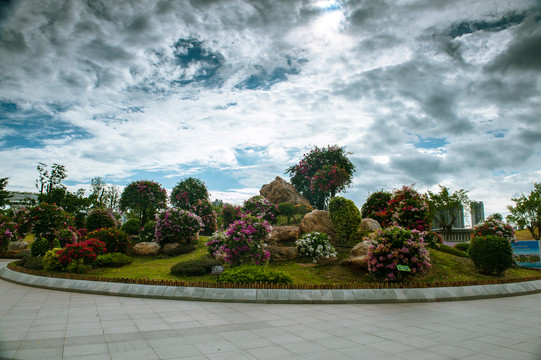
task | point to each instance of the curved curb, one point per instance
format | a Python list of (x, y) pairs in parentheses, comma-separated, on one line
[(276, 296)]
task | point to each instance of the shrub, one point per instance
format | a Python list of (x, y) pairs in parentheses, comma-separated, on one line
[(99, 219), (215, 242), (115, 240), (148, 233), (287, 210), (260, 207), (396, 246), (432, 238), (75, 252), (255, 274), (81, 232), (96, 245), (183, 248), (41, 245), (493, 226), (66, 236), (23, 223), (376, 206), (203, 209), (51, 260), (176, 226), (345, 218), (462, 247), (230, 214), (409, 209), (7, 231), (194, 267), (303, 209), (131, 227), (46, 219), (315, 245), (187, 192), (112, 260), (246, 241), (31, 262), (491, 255), (452, 250)]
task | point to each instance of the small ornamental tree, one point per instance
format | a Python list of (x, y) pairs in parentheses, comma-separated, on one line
[(396, 246), (177, 226), (144, 197), (345, 217), (445, 207), (376, 206), (115, 240), (493, 226), (287, 210), (46, 219), (409, 209), (187, 192), (100, 218), (245, 242), (321, 174), (259, 206)]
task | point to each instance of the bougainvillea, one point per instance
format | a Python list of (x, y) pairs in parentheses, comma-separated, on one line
[(144, 197), (23, 223), (330, 179), (187, 192), (177, 226), (495, 227), (245, 242), (409, 209), (230, 213), (115, 240), (315, 245), (215, 242), (74, 252), (376, 206), (259, 206), (396, 246)]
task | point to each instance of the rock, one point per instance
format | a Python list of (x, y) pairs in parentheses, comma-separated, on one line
[(174, 249), (326, 261), (284, 233), (282, 253), (370, 224), (146, 248), (17, 245), (280, 191), (170, 248), (358, 256), (320, 221)]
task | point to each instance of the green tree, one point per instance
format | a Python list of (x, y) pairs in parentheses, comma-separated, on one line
[(376, 206), (98, 192), (445, 207), (144, 197), (321, 174), (46, 181), (186, 193), (527, 211), (4, 194)]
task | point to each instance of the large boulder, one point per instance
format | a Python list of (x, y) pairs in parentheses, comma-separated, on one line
[(320, 221), (17, 245), (284, 233), (370, 224), (359, 256), (280, 191), (282, 253), (146, 248)]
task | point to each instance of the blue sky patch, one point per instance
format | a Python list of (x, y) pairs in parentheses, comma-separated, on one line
[(430, 143), (264, 80)]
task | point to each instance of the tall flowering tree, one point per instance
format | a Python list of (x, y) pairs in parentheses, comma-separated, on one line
[(144, 197), (321, 174), (409, 209)]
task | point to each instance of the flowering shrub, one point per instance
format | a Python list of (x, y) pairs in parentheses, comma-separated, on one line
[(144, 197), (51, 261), (66, 236), (315, 245), (376, 206), (409, 209), (246, 241), (230, 214), (115, 240), (46, 219), (41, 245), (81, 232), (495, 227), (215, 242), (100, 218), (260, 207), (330, 179), (7, 231), (74, 252), (396, 246), (203, 209), (23, 223), (432, 238), (177, 225), (96, 245), (187, 192)]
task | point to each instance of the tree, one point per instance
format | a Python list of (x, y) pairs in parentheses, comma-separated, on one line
[(112, 197), (144, 197), (321, 174), (445, 208), (186, 193), (527, 211), (99, 192), (46, 181), (376, 206), (4, 195)]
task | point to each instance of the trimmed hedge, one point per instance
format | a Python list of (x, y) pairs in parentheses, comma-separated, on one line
[(112, 260), (255, 274), (491, 255), (345, 217), (463, 246), (194, 267)]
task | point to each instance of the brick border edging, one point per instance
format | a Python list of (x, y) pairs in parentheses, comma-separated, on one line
[(275, 296)]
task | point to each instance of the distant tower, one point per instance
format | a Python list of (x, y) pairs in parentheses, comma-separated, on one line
[(477, 212), (459, 221)]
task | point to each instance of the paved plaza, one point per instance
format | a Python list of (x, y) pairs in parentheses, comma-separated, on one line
[(47, 324)]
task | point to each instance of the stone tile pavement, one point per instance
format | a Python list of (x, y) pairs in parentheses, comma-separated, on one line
[(49, 324)]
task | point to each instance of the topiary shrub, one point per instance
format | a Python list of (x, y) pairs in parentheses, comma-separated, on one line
[(230, 213), (30, 262), (66, 236), (491, 255), (462, 247), (41, 245), (246, 241), (259, 206), (255, 274), (396, 246), (51, 260), (376, 206), (315, 245), (287, 210), (187, 192), (177, 226), (131, 227), (114, 260), (99, 219), (194, 267), (345, 217), (409, 209), (115, 240), (495, 227)]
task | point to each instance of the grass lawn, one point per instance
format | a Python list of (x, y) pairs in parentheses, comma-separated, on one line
[(523, 235), (445, 267)]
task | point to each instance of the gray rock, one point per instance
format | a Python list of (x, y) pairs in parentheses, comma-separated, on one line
[(370, 224), (280, 191), (18, 245), (282, 253), (320, 221), (146, 248), (284, 233), (359, 256)]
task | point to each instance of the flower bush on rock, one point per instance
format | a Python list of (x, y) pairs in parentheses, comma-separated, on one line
[(177, 226), (396, 246), (315, 245), (245, 242), (376, 206), (260, 207), (494, 227)]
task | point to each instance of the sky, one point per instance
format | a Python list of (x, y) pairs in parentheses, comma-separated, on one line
[(422, 92)]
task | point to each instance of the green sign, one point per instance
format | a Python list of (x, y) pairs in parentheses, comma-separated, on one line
[(403, 268)]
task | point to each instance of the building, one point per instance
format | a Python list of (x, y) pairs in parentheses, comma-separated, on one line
[(477, 212)]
